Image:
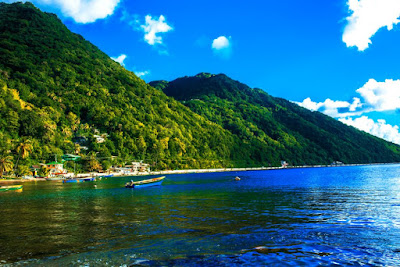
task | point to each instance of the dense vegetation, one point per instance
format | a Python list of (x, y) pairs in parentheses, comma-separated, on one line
[(58, 92), (55, 87), (274, 128)]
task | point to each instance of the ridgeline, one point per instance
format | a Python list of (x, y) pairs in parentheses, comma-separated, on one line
[(273, 128)]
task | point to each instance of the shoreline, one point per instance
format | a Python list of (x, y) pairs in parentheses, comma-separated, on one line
[(261, 168), (82, 175)]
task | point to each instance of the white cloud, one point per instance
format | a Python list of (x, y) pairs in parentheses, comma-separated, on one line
[(153, 27), (374, 96), (220, 43), (380, 128), (222, 46), (332, 108), (120, 59), (309, 104), (381, 96), (142, 73), (367, 17), (83, 11)]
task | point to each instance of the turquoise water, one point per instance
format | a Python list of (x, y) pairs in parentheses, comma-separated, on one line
[(294, 217)]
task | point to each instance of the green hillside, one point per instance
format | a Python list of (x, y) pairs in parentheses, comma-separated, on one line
[(56, 86), (276, 128)]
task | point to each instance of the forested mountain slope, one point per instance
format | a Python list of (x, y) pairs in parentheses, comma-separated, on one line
[(56, 86), (275, 127)]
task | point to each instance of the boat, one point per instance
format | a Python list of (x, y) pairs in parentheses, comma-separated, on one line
[(10, 187), (80, 180), (52, 179), (237, 178), (145, 183)]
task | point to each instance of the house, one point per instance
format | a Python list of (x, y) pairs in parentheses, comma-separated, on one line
[(99, 139), (139, 167), (56, 168), (134, 168), (35, 169)]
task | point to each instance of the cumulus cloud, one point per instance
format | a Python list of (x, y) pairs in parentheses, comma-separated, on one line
[(380, 128), (82, 11), (381, 96), (333, 108), (222, 46), (220, 43), (120, 59), (142, 73), (153, 27), (367, 17), (373, 96)]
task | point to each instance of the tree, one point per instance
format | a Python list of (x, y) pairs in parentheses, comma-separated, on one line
[(23, 170), (44, 171), (105, 164), (92, 163), (6, 164), (23, 150)]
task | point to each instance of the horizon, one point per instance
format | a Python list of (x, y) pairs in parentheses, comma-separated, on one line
[(338, 58)]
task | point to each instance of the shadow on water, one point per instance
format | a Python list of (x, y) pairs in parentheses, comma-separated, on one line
[(346, 215)]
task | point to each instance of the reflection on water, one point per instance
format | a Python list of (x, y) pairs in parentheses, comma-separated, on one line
[(346, 215)]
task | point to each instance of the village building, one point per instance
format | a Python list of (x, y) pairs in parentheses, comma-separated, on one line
[(134, 168), (56, 168)]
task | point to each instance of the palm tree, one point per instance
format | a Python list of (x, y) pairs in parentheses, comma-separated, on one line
[(6, 164), (23, 150)]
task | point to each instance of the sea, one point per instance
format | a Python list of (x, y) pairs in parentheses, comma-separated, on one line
[(334, 216)]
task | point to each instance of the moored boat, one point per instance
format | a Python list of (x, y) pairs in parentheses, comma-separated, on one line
[(55, 179), (10, 187), (80, 180), (145, 183)]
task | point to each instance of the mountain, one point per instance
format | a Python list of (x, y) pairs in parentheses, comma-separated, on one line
[(274, 127), (61, 94), (56, 88)]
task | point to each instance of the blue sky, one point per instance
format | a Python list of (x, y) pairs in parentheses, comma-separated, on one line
[(338, 57)]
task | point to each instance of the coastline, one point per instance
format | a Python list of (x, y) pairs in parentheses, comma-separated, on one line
[(82, 175), (260, 168)]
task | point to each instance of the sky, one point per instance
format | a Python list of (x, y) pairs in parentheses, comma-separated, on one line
[(339, 57)]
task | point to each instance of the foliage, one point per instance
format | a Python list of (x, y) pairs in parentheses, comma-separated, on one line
[(23, 170), (55, 86), (43, 171), (23, 150), (6, 164), (273, 129), (92, 164)]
